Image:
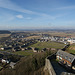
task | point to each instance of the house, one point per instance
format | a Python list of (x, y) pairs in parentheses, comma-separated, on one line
[(29, 48), (5, 61), (53, 49), (16, 49), (66, 59), (23, 46), (7, 48), (12, 64), (22, 49), (71, 41), (2, 48), (35, 49), (44, 49), (53, 39)]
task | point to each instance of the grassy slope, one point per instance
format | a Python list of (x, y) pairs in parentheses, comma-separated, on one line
[(42, 45), (24, 53), (71, 49), (31, 65)]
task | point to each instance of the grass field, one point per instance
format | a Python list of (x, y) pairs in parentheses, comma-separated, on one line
[(42, 45), (71, 49), (31, 37), (24, 53)]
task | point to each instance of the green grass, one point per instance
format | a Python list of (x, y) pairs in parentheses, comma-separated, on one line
[(24, 53), (42, 45), (71, 49)]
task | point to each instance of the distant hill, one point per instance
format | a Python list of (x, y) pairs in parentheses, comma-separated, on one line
[(4, 32)]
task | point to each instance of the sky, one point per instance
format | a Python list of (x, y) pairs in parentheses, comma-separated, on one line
[(37, 14)]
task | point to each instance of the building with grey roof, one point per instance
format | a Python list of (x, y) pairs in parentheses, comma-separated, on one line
[(66, 59)]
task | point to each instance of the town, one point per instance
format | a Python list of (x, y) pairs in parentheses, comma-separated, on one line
[(24, 44)]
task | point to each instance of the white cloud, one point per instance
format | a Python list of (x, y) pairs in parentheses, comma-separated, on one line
[(66, 7), (12, 6), (19, 16), (8, 4)]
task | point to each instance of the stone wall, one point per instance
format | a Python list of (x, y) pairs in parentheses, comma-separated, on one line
[(48, 66)]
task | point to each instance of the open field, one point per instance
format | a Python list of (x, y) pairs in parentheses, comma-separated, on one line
[(63, 34), (40, 45), (60, 33), (4, 35), (49, 44), (71, 49), (31, 37), (24, 53)]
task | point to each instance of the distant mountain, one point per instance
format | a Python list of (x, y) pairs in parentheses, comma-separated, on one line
[(4, 32)]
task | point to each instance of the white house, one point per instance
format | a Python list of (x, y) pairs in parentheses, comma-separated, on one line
[(71, 41), (5, 61)]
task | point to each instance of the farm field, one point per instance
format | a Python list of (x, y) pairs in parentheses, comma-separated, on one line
[(4, 35), (49, 44), (40, 45), (33, 37), (61, 33)]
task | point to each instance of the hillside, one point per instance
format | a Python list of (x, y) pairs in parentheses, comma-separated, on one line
[(71, 49), (32, 65), (4, 32)]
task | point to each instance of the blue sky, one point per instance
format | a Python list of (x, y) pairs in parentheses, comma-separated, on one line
[(37, 14)]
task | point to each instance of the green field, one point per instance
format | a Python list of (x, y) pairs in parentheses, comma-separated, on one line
[(41, 45), (71, 49), (49, 44), (24, 53)]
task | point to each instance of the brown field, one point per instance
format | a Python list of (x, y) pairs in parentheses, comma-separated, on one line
[(61, 34), (4, 35), (53, 33)]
